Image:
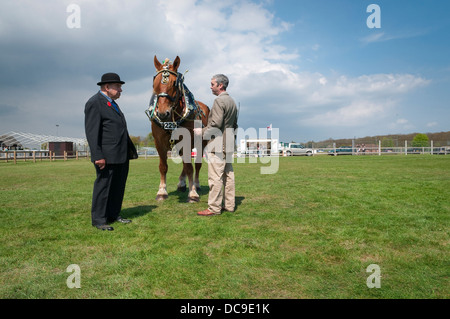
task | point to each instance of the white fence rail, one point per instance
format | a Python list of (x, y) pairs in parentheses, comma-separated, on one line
[(358, 151), (34, 156), (383, 151)]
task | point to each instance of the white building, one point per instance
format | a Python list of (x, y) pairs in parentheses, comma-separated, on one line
[(261, 147)]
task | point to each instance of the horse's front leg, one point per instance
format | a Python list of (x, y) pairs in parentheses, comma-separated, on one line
[(193, 196), (162, 192)]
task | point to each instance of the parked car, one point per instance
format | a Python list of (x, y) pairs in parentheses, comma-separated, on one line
[(343, 150), (415, 150), (298, 149), (442, 150)]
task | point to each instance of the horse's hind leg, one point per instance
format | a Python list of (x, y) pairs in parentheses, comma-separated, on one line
[(182, 181), (198, 166)]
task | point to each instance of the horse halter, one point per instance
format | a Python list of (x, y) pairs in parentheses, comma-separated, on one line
[(165, 75), (189, 106), (180, 96)]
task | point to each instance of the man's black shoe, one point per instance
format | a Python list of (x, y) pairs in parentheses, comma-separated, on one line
[(104, 227)]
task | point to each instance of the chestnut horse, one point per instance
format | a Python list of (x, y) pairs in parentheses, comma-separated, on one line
[(172, 106)]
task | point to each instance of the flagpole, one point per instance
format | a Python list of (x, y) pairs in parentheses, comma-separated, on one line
[(269, 129)]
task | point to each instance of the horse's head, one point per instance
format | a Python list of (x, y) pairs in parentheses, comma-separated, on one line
[(166, 87)]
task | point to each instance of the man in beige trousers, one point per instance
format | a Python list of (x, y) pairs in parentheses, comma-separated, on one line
[(222, 123)]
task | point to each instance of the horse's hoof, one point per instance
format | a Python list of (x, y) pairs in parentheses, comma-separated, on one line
[(182, 188), (193, 199), (161, 197)]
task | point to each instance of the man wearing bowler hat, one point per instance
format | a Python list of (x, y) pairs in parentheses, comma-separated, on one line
[(111, 149)]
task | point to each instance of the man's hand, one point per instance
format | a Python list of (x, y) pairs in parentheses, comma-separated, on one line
[(100, 163)]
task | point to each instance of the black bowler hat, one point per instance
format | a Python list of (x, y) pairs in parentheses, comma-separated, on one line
[(110, 78)]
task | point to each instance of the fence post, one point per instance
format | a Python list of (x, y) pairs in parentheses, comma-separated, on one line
[(406, 147), (379, 147), (15, 158), (34, 156), (432, 150), (65, 156)]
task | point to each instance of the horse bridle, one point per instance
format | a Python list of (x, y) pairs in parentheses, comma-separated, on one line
[(164, 80), (190, 106)]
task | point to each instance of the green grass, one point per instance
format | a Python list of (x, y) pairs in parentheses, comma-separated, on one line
[(308, 231)]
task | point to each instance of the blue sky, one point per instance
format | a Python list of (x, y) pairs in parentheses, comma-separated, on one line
[(313, 69)]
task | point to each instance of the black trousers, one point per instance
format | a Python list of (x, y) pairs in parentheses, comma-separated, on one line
[(109, 188)]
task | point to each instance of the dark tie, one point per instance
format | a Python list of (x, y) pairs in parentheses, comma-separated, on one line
[(116, 107)]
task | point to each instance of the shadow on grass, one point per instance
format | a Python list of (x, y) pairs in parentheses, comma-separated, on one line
[(204, 191), (239, 200), (137, 211), (183, 196)]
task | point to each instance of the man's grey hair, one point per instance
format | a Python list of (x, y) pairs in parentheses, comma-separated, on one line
[(221, 79)]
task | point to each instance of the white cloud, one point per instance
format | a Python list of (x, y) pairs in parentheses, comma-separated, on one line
[(401, 125), (383, 36), (357, 113), (375, 37)]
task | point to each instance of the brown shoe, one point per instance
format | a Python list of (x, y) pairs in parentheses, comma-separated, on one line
[(207, 212)]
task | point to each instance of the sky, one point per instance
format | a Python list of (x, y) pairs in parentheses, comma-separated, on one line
[(314, 69)]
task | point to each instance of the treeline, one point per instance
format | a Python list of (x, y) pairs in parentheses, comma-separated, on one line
[(392, 140), (143, 141)]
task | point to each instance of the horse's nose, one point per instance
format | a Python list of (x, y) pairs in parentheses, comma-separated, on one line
[(163, 115)]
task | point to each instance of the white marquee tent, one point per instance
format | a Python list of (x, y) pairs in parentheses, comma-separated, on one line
[(35, 141)]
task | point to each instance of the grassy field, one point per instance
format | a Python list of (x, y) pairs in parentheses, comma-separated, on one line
[(308, 231)]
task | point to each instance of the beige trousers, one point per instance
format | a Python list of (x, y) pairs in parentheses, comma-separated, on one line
[(221, 184)]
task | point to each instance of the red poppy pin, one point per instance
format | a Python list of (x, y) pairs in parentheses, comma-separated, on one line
[(109, 104)]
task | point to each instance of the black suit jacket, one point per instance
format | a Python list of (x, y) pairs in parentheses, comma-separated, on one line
[(106, 132)]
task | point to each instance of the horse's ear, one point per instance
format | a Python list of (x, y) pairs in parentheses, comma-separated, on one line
[(176, 63), (158, 65)]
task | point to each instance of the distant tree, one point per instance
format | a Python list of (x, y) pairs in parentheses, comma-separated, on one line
[(420, 140), (387, 142), (136, 140), (150, 140), (143, 141)]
